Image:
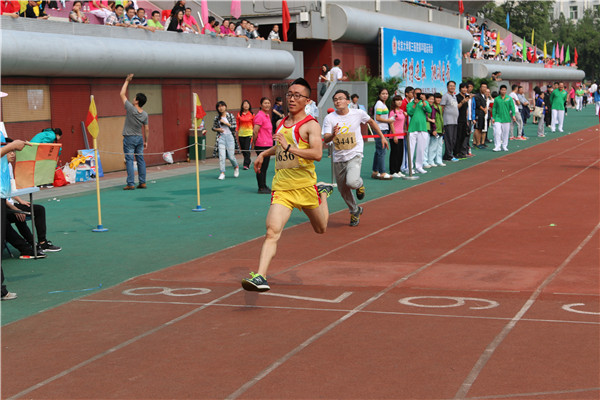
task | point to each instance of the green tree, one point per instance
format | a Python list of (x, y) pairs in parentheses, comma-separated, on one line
[(525, 16), (362, 73), (585, 36)]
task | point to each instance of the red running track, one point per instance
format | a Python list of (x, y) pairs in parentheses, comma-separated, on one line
[(481, 284)]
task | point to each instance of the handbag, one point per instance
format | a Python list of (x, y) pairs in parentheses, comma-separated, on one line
[(538, 112)]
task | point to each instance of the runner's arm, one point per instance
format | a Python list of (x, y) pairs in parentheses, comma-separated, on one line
[(311, 129)]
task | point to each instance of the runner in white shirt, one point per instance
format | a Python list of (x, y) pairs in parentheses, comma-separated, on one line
[(343, 128)]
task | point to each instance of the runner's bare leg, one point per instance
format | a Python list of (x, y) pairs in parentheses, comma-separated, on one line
[(319, 217), (277, 217)]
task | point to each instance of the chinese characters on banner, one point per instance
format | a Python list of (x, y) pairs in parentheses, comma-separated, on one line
[(424, 61)]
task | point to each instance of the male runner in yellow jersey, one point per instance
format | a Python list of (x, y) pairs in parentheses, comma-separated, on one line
[(298, 145)]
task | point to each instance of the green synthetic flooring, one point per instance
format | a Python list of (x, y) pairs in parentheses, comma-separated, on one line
[(155, 228)]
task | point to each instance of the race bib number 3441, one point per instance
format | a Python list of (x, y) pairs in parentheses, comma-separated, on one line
[(345, 140)]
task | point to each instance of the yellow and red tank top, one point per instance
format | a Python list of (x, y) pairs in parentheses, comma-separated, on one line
[(293, 172)]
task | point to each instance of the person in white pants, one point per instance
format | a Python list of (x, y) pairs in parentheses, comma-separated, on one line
[(418, 109), (503, 112), (558, 98), (100, 9)]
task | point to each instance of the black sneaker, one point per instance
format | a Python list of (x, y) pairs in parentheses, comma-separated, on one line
[(264, 190), (360, 193), (256, 283), (47, 246), (324, 188), (355, 218)]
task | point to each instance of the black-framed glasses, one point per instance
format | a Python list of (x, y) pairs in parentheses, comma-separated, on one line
[(296, 96)]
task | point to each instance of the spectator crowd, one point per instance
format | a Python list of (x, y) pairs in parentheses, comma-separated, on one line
[(128, 14)]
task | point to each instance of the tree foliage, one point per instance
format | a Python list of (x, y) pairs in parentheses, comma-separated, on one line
[(374, 83), (528, 15)]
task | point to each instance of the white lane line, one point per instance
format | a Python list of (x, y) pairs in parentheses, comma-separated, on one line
[(249, 384), (345, 310), (508, 396), (491, 348), (118, 347), (100, 355)]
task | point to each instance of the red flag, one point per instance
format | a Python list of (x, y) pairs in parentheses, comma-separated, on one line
[(534, 58), (285, 15), (199, 112), (91, 120), (575, 56), (461, 6)]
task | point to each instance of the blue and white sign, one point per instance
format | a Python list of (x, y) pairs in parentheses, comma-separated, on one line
[(424, 61)]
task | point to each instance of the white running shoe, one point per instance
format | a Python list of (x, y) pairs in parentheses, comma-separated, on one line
[(427, 166), (222, 176), (420, 170), (441, 165), (236, 172), (385, 176)]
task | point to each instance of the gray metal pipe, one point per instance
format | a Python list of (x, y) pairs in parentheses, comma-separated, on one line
[(349, 24), (521, 71), (26, 53)]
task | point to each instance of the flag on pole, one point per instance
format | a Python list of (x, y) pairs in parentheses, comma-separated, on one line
[(507, 22), (509, 44), (497, 44), (204, 11), (199, 112), (91, 121), (285, 15), (524, 49), (557, 53), (532, 33), (534, 58), (236, 8), (35, 164), (575, 56), (482, 38), (545, 51), (461, 7), (562, 53), (568, 56), (553, 52)]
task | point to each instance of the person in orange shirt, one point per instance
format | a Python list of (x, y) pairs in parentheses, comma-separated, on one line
[(245, 124)]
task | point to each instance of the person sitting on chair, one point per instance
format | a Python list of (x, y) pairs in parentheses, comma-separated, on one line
[(17, 211)]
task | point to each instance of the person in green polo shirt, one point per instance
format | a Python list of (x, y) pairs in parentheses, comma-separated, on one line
[(557, 104), (579, 93), (417, 130), (503, 113), (155, 21)]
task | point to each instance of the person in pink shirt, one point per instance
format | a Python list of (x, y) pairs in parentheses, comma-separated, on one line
[(263, 140), (399, 116), (100, 9), (225, 27), (209, 28), (189, 19)]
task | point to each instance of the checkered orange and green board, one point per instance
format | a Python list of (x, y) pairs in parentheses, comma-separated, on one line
[(36, 164)]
